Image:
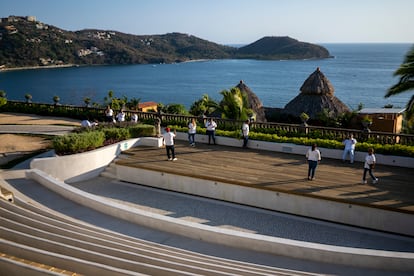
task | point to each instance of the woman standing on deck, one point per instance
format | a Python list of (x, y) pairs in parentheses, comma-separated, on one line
[(192, 129), (313, 156)]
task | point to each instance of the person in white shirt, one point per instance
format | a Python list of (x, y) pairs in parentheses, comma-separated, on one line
[(349, 144), (369, 165), (109, 114), (134, 118), (314, 157), (86, 123), (120, 117), (211, 130), (192, 129), (168, 141), (245, 133)]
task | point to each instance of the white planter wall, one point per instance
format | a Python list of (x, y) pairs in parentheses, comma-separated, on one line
[(83, 166)]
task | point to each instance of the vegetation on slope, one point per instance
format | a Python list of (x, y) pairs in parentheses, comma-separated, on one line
[(25, 42)]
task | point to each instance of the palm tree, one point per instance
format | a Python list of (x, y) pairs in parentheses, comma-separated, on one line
[(56, 100), (87, 101), (28, 97), (133, 103), (234, 104), (203, 106), (406, 82)]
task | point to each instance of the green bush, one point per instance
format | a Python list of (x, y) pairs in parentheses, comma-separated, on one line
[(85, 139), (116, 134), (3, 101), (141, 130), (78, 142)]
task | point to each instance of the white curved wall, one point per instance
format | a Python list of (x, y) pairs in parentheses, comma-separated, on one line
[(82, 166)]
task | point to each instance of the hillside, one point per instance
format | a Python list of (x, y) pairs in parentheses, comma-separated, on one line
[(26, 42), (282, 48)]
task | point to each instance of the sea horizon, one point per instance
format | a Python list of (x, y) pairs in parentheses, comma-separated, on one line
[(359, 72)]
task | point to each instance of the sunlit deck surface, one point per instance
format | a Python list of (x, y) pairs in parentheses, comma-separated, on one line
[(282, 172)]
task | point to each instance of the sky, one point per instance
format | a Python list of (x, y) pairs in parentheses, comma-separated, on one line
[(231, 21)]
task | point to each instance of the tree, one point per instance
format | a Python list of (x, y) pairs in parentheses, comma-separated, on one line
[(56, 99), (114, 102), (234, 105), (406, 82), (87, 101), (203, 106), (28, 98), (3, 99), (133, 103), (174, 109)]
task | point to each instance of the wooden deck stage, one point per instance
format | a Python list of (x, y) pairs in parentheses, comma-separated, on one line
[(282, 172)]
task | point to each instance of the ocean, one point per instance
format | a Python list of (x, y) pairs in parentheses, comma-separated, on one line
[(360, 74)]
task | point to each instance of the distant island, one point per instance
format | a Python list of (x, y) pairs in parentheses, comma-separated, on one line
[(28, 43)]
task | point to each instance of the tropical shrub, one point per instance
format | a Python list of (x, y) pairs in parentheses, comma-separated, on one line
[(113, 135), (142, 130), (85, 139), (78, 142)]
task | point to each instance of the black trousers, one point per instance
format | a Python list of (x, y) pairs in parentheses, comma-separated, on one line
[(170, 151)]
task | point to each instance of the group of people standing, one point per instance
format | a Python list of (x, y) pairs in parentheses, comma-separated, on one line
[(210, 125), (120, 116), (313, 156), (168, 136)]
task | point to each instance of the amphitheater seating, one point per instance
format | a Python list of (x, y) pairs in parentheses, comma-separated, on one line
[(40, 242)]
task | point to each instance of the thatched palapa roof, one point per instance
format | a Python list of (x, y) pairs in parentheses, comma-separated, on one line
[(317, 94), (254, 102)]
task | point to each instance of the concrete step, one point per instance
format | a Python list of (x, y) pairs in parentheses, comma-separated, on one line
[(48, 258), (25, 267), (63, 234), (76, 249)]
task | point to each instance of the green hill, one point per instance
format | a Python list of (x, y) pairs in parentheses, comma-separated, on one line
[(282, 48), (26, 42)]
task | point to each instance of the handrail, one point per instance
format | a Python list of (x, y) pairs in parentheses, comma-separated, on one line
[(228, 124)]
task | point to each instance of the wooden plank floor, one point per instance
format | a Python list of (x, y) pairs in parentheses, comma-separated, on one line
[(282, 172)]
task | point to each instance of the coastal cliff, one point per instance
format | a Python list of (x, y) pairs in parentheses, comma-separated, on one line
[(25, 42)]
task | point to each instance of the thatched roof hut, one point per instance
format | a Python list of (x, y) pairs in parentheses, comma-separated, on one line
[(317, 94), (254, 102)]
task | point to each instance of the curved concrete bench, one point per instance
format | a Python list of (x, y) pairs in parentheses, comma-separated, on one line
[(30, 232), (297, 249)]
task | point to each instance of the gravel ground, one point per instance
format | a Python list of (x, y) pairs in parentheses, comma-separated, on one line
[(15, 145)]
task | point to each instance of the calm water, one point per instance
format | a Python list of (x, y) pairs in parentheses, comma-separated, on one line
[(360, 73)]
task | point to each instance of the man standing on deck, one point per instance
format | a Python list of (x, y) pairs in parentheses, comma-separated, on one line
[(168, 141), (211, 130), (349, 144), (245, 133)]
